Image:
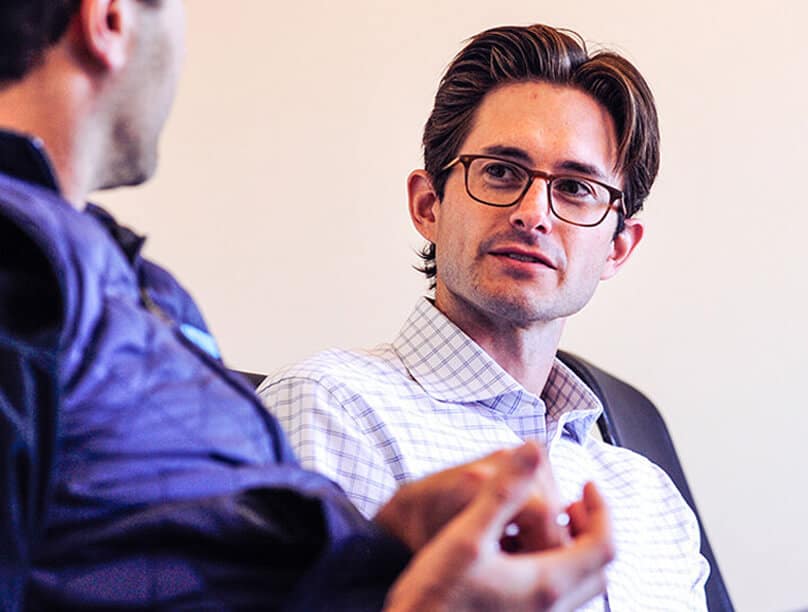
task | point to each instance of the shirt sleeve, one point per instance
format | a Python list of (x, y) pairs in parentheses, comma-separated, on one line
[(318, 417), (681, 563), (699, 566), (692, 566), (30, 322)]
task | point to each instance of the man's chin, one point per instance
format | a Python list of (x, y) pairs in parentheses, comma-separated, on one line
[(130, 176), (526, 310)]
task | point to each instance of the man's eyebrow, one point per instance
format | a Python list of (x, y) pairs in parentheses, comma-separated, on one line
[(582, 168), (520, 155), (514, 153)]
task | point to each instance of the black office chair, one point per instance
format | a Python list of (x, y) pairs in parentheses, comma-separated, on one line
[(254, 378), (632, 421)]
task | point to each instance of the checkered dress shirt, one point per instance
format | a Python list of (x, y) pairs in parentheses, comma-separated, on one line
[(432, 399)]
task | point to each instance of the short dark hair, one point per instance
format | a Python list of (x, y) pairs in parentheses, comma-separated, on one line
[(27, 29), (514, 54)]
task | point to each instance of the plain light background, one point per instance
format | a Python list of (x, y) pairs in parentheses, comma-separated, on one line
[(280, 203)]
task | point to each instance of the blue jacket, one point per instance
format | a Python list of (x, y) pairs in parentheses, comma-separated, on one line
[(137, 470)]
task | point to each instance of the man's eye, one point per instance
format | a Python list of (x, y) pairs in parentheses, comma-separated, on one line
[(574, 188), (500, 172)]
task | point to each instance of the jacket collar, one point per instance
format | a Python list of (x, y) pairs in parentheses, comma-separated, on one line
[(24, 158)]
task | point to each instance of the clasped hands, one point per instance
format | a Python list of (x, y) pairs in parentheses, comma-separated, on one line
[(485, 536)]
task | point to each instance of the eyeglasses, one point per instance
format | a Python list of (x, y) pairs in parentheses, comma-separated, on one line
[(499, 182)]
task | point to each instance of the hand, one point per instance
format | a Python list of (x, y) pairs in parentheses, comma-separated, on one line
[(464, 567), (420, 509)]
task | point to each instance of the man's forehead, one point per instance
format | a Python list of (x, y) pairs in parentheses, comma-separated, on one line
[(537, 123)]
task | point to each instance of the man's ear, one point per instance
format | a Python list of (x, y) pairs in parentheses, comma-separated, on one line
[(105, 28), (423, 204), (622, 246)]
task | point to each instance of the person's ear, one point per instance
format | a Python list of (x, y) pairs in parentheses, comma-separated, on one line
[(424, 204), (105, 28), (622, 246)]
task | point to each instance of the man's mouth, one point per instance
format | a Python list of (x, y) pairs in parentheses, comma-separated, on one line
[(523, 256), (519, 257)]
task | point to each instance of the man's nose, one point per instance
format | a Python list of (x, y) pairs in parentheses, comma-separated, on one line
[(533, 210)]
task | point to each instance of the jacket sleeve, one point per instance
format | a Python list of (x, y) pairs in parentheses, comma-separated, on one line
[(30, 321), (291, 541)]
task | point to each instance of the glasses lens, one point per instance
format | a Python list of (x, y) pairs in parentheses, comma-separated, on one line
[(578, 200), (495, 181)]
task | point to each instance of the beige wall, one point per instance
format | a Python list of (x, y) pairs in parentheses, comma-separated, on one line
[(281, 203)]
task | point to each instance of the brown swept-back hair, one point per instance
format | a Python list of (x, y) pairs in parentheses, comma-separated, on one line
[(515, 54)]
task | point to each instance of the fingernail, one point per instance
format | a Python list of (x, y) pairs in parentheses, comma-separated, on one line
[(526, 457)]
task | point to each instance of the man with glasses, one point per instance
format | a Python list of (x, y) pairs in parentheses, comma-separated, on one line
[(537, 155)]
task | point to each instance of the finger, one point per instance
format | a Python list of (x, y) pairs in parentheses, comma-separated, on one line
[(502, 497), (591, 550), (544, 513), (536, 527), (591, 507), (599, 521), (579, 519), (546, 485), (582, 563)]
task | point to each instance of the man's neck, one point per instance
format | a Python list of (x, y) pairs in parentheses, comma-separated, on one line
[(526, 352), (46, 104)]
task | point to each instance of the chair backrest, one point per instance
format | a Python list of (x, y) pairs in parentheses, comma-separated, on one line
[(632, 421), (254, 378)]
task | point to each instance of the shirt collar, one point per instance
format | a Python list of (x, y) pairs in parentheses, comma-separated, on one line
[(448, 364), (24, 158), (129, 242), (570, 402), (451, 367)]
